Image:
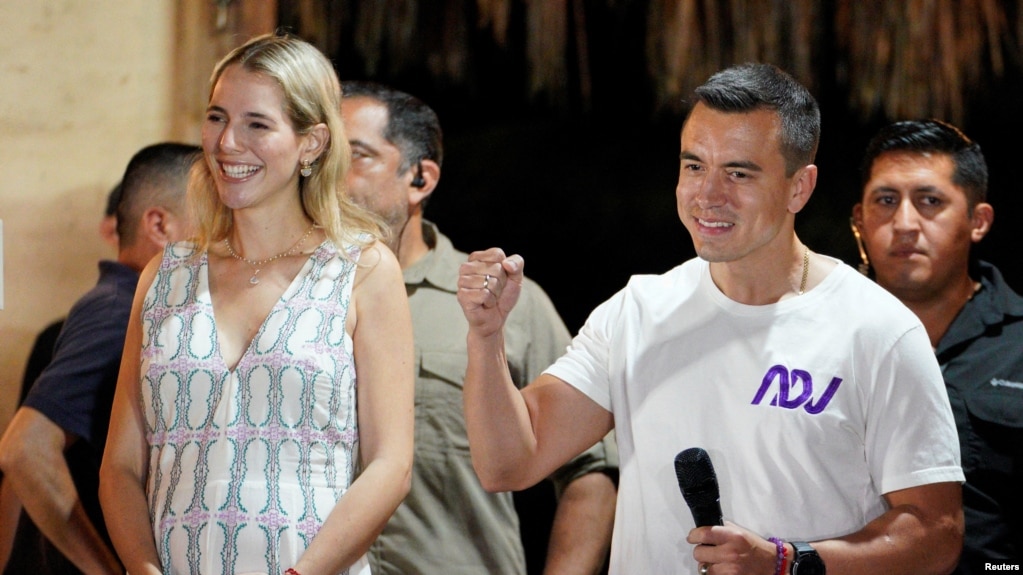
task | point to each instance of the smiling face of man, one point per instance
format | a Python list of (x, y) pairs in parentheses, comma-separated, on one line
[(733, 194)]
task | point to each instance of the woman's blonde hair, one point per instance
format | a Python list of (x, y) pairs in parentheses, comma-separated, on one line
[(312, 95)]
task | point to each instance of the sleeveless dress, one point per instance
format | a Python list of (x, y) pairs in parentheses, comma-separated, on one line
[(245, 465)]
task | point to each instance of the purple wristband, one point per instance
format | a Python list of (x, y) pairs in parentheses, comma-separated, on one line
[(779, 562)]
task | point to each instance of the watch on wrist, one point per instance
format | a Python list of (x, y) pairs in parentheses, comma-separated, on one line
[(806, 561)]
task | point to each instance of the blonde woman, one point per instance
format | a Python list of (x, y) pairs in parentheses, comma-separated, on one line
[(239, 440)]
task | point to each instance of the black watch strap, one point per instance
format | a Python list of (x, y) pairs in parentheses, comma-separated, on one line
[(806, 561)]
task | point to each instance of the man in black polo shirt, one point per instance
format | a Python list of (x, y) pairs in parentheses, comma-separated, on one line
[(923, 207)]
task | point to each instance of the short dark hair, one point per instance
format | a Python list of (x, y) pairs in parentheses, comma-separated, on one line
[(754, 86), (412, 126), (157, 175), (113, 198), (933, 137)]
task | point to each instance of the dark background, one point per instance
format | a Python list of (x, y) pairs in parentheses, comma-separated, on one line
[(583, 186)]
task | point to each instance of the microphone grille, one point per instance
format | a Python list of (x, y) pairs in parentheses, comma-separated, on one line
[(695, 474)]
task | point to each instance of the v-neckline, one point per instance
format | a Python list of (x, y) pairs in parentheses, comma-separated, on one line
[(285, 296)]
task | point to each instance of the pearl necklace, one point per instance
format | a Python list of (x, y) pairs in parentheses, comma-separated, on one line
[(259, 265)]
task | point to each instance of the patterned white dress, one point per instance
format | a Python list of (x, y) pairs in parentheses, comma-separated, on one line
[(245, 465)]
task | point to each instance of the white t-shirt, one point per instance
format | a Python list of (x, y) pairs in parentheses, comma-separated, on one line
[(810, 408)]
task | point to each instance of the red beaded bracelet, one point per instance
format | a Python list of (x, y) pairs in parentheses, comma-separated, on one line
[(780, 562), (291, 571)]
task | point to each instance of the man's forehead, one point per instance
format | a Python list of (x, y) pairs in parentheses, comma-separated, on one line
[(740, 136), (912, 172), (364, 105), (939, 160), (908, 165), (365, 119)]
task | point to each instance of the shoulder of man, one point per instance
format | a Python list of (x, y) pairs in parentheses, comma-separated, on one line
[(1002, 295), (87, 355)]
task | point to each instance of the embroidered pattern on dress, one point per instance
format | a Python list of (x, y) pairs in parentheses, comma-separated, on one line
[(269, 447)]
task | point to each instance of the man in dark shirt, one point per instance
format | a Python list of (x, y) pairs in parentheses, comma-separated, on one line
[(923, 207), (16, 530), (68, 408)]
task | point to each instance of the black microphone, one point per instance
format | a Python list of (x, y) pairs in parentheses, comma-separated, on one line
[(699, 486)]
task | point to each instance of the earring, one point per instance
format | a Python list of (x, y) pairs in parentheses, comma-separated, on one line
[(307, 169), (864, 266)]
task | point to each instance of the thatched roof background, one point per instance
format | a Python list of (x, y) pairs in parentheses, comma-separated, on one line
[(561, 117), (901, 58)]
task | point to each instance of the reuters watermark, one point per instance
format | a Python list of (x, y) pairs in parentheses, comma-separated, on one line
[(1001, 567)]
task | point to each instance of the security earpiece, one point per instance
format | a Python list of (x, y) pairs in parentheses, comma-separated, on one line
[(418, 181), (864, 266)]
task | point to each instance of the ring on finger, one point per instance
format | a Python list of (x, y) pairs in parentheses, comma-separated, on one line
[(486, 281), (704, 568)]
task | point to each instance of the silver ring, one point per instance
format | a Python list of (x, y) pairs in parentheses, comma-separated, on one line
[(486, 281), (704, 568)]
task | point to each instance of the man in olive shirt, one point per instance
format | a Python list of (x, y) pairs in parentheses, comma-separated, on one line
[(449, 523)]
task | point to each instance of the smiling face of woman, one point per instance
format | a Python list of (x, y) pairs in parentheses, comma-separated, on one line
[(250, 145)]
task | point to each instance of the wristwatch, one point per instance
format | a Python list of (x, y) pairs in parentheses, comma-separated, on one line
[(806, 560)]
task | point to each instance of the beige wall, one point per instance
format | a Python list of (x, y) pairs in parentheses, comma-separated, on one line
[(83, 85)]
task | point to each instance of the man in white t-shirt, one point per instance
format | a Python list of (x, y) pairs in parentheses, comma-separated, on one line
[(814, 391)]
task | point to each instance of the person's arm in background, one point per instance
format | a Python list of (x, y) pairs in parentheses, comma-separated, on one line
[(36, 473), (581, 531), (10, 513), (32, 457), (586, 487), (10, 505)]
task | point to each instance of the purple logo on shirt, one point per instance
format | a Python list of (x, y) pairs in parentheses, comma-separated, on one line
[(789, 384)]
